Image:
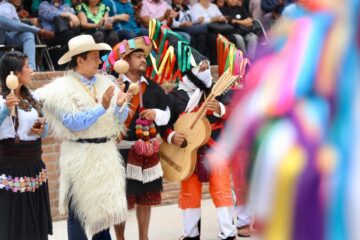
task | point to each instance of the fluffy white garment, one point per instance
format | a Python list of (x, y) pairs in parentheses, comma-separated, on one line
[(92, 175)]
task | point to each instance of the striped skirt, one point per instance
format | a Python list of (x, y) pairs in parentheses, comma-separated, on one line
[(24, 194)]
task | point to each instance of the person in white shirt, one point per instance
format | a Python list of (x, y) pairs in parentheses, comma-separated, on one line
[(24, 190), (183, 22), (205, 12), (16, 33)]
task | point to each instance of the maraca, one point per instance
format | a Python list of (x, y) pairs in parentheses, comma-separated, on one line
[(12, 82), (121, 66), (133, 89)]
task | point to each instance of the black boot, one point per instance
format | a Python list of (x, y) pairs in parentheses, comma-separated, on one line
[(191, 238), (230, 238)]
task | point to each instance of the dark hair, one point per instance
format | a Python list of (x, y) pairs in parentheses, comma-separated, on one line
[(11, 61), (87, 2), (15, 61), (73, 62)]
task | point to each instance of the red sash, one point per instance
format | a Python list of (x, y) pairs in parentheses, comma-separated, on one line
[(134, 105)]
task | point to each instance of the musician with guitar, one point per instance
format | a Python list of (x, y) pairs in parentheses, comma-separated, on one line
[(188, 98)]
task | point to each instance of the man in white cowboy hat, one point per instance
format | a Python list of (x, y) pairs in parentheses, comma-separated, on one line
[(84, 114), (150, 115)]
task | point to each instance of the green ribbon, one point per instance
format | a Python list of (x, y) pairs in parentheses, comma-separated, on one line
[(157, 30), (161, 47)]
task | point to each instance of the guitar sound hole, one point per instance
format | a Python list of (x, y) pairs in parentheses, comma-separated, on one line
[(184, 144)]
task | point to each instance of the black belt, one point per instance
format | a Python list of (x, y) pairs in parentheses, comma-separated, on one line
[(92, 140)]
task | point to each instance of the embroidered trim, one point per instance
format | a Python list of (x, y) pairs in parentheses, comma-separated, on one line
[(134, 172), (147, 175), (150, 174), (23, 184)]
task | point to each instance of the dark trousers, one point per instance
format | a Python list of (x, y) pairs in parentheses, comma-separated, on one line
[(104, 35), (198, 33), (76, 232)]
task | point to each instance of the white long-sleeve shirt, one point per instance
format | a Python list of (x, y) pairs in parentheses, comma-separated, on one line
[(26, 122), (198, 11)]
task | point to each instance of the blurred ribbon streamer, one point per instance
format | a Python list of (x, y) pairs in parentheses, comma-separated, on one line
[(299, 115)]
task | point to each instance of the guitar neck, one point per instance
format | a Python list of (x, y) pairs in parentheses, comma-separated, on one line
[(223, 83), (201, 113)]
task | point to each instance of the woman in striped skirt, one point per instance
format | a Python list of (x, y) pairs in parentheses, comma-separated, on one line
[(24, 197)]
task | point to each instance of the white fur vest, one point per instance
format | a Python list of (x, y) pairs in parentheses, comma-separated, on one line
[(91, 175)]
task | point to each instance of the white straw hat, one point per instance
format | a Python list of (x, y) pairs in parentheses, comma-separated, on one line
[(80, 44)]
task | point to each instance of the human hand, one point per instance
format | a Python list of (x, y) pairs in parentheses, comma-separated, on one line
[(121, 98), (124, 17), (186, 24), (201, 20), (178, 139), (221, 19), (167, 14), (38, 127), (249, 22), (37, 131), (23, 14), (218, 19), (107, 96), (73, 20), (174, 14), (108, 24), (148, 114), (12, 100), (214, 106), (101, 22), (129, 96)]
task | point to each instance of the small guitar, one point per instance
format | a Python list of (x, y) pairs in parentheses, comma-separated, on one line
[(178, 163)]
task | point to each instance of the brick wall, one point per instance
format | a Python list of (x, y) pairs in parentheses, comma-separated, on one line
[(51, 155)]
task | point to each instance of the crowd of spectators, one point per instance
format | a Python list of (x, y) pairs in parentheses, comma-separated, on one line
[(111, 21)]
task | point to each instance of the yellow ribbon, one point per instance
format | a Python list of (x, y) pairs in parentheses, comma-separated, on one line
[(152, 25), (280, 223), (165, 59), (168, 55), (231, 57)]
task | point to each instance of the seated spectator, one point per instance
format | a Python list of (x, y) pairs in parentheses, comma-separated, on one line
[(183, 23), (16, 33), (273, 10), (36, 4), (245, 28), (161, 10), (220, 3), (205, 12), (123, 17), (295, 9), (255, 9), (137, 5), (94, 20), (23, 13), (59, 17)]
